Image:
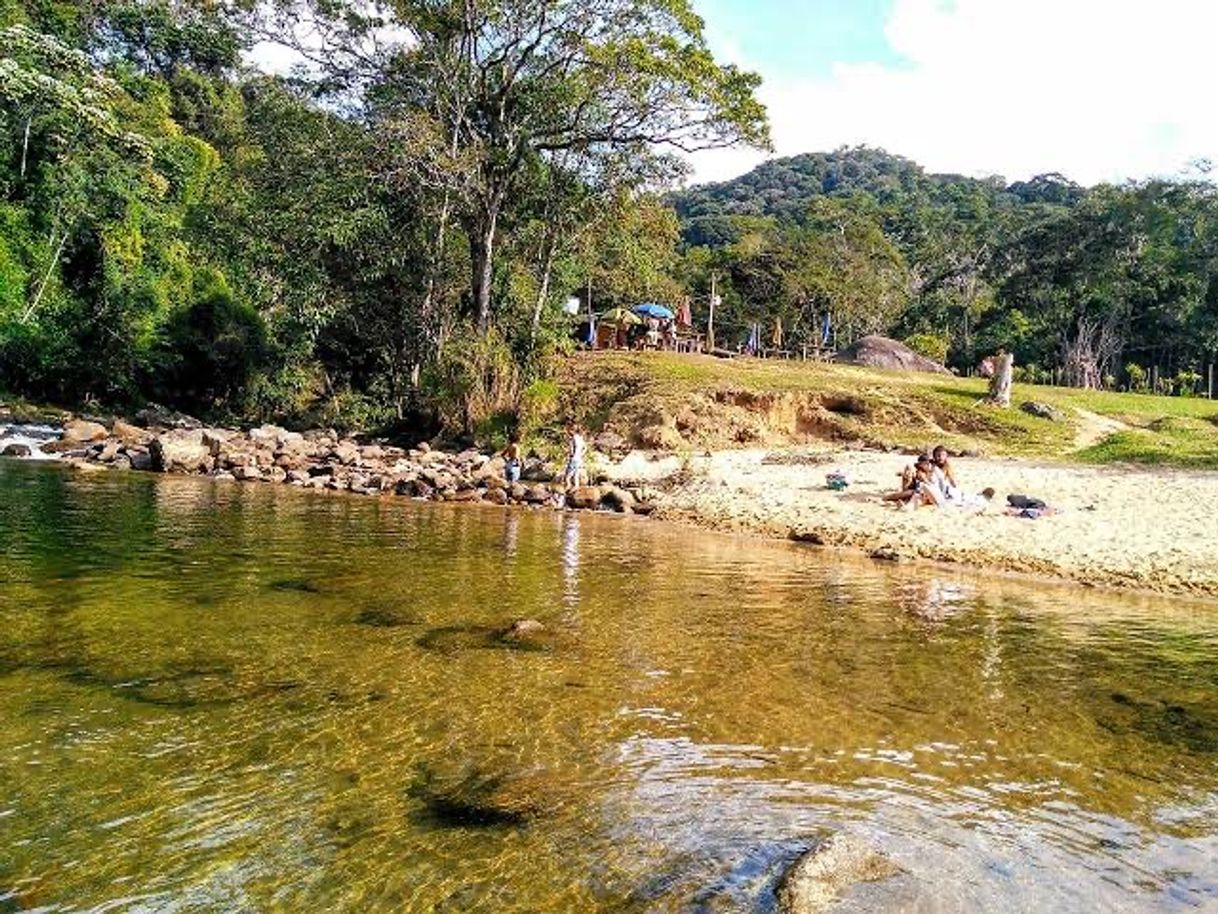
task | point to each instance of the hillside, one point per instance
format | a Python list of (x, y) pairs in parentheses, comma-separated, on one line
[(688, 403), (782, 189)]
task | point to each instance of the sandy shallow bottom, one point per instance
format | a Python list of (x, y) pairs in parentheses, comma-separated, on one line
[(1134, 528)]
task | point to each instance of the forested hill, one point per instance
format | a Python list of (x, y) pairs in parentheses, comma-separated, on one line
[(1107, 285), (783, 188)]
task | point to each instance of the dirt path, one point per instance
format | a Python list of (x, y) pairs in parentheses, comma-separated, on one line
[(1094, 428)]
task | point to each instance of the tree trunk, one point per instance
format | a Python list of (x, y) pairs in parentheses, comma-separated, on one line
[(544, 292), (1000, 383), (482, 250)]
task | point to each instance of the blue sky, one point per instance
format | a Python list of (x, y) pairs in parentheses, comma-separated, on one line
[(802, 37), (1100, 90)]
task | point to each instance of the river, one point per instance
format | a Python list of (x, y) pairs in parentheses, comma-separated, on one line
[(248, 698)]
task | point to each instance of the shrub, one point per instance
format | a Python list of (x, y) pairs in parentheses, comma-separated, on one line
[(931, 345), (474, 378), (1136, 375)]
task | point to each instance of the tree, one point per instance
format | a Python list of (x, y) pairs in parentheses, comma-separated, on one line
[(506, 82)]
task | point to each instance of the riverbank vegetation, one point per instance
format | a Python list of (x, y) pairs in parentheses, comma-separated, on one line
[(387, 231)]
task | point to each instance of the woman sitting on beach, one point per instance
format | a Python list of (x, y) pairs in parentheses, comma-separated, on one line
[(918, 486)]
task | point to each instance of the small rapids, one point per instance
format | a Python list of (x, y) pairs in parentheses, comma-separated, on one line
[(14, 439)]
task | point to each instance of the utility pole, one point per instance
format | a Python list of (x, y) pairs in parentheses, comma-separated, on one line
[(710, 321)]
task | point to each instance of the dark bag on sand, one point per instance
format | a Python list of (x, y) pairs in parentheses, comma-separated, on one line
[(1025, 501)]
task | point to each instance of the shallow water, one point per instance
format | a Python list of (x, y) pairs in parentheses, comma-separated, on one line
[(236, 698)]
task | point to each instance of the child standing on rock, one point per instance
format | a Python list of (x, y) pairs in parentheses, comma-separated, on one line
[(576, 446)]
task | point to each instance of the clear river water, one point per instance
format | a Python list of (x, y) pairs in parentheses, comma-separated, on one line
[(248, 698)]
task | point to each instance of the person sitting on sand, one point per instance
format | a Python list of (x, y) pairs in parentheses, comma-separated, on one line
[(944, 475), (918, 486)]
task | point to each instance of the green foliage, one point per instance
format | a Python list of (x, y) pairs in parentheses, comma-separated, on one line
[(212, 347), (931, 345), (1137, 376), (475, 380)]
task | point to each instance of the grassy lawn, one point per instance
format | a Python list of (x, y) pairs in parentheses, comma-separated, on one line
[(898, 408)]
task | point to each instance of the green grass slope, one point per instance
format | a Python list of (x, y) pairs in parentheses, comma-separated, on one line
[(699, 401)]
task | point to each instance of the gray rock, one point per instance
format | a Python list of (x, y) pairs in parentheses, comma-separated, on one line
[(155, 416), (819, 878), (1041, 410), (16, 449), (180, 452)]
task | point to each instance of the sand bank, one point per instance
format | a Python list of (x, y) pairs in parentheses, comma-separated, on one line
[(1135, 528)]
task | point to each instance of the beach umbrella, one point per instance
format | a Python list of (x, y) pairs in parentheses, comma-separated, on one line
[(621, 316), (651, 309), (826, 330), (777, 339)]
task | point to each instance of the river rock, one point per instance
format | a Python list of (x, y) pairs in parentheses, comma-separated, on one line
[(80, 431), (535, 470), (346, 453), (156, 416), (108, 451), (130, 434), (180, 452), (497, 496), (661, 438), (298, 477), (522, 629), (537, 495), (618, 499), (247, 473), (818, 878), (584, 497), (140, 458), (215, 440), (16, 449)]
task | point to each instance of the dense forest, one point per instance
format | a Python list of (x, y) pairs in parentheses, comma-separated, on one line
[(390, 230), (1103, 286), (387, 231)]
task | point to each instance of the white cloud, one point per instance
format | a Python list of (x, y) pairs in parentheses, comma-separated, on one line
[(1100, 90)]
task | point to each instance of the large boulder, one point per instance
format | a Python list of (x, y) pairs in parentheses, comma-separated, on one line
[(180, 452), (881, 352), (129, 434), (81, 431)]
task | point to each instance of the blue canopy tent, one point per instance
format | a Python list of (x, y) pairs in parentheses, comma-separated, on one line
[(651, 309)]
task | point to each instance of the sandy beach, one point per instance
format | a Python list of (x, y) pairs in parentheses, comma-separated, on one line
[(1131, 528)]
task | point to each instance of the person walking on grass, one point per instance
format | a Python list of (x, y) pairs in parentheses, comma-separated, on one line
[(576, 447)]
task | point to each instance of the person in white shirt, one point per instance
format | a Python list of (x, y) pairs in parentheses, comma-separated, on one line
[(576, 446)]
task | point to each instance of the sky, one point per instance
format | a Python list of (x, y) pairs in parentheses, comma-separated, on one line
[(1099, 90)]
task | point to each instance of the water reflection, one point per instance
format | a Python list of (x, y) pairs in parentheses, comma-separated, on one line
[(236, 698)]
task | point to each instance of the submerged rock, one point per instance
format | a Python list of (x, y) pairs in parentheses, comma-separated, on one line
[(477, 799), (521, 629), (16, 450), (817, 879)]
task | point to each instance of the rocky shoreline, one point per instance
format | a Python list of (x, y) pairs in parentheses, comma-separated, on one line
[(161, 441)]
